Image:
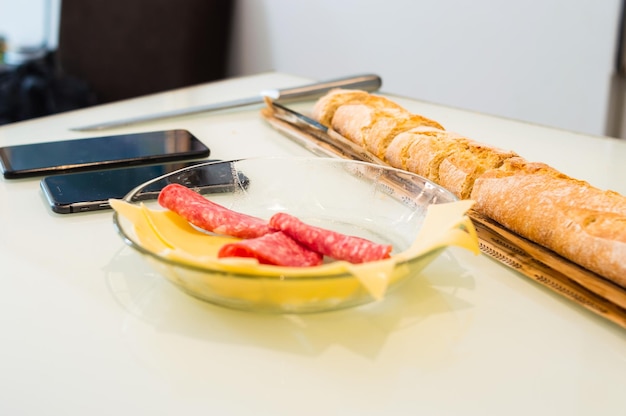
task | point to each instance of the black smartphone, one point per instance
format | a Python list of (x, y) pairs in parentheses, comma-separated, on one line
[(90, 191), (40, 159)]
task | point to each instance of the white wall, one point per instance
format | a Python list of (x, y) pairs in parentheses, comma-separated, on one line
[(29, 23), (544, 61)]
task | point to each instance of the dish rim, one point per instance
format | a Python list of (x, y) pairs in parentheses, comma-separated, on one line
[(291, 276)]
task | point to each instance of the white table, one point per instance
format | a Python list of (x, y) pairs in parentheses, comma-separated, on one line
[(86, 328)]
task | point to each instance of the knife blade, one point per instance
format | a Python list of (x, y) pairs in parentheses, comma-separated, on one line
[(323, 134), (366, 82)]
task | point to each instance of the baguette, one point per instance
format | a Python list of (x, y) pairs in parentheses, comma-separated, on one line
[(571, 217)]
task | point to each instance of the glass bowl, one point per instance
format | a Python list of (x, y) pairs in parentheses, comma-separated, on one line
[(383, 204)]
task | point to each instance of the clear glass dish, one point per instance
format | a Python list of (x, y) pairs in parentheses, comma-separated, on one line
[(382, 204)]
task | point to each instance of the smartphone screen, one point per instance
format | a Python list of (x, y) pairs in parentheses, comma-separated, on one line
[(89, 191), (39, 159)]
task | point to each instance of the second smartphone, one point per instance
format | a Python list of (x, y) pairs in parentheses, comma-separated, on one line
[(90, 191)]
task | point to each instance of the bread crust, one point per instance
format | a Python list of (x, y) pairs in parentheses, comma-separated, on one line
[(374, 128), (352, 122), (397, 150), (325, 107), (582, 223), (382, 134), (429, 149), (459, 170)]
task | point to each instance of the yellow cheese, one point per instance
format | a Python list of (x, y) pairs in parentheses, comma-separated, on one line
[(177, 233), (166, 234)]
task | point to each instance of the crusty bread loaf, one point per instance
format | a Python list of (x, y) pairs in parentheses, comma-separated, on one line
[(571, 217), (576, 220)]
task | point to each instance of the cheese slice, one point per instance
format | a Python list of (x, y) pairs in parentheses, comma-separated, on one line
[(177, 233), (170, 236)]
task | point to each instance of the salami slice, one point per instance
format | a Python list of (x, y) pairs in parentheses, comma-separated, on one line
[(210, 216), (330, 243), (275, 248)]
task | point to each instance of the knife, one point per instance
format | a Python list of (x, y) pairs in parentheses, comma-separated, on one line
[(366, 82)]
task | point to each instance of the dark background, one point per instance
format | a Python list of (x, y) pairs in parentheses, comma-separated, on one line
[(110, 50)]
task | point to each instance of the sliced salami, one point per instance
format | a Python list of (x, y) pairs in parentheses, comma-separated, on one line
[(330, 243), (210, 216), (275, 248)]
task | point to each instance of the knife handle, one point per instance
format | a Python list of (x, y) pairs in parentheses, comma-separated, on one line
[(367, 82)]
